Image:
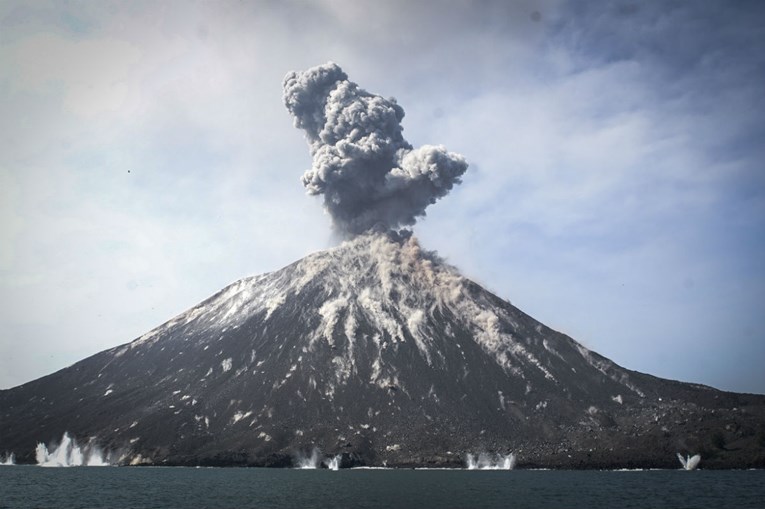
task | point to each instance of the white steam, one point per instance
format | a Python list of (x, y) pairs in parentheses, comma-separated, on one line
[(370, 176)]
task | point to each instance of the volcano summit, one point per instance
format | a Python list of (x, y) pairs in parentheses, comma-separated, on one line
[(375, 352), (380, 352)]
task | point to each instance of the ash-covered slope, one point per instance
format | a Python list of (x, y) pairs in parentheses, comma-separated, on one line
[(381, 351)]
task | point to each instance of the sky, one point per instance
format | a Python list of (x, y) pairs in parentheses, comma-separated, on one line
[(615, 188)]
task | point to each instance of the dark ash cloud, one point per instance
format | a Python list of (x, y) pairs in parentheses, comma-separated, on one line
[(370, 176)]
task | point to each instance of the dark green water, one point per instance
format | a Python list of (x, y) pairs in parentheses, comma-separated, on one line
[(109, 487)]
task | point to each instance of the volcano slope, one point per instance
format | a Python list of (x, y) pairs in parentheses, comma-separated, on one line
[(381, 352)]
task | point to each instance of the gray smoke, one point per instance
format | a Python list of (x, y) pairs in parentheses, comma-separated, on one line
[(371, 177)]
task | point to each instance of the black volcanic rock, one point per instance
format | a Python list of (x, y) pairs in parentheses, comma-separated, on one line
[(382, 353)]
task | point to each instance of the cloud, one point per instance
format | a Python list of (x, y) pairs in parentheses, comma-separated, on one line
[(615, 188), (621, 178), (92, 74)]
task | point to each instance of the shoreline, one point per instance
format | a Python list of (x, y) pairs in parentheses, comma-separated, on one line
[(399, 468)]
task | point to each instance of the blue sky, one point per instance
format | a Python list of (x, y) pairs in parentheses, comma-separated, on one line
[(616, 189)]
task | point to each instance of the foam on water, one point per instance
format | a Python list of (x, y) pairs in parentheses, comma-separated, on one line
[(70, 454)]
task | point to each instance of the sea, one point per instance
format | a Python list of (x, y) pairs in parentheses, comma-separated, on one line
[(222, 488)]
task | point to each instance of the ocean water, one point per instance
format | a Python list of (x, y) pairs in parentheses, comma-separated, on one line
[(222, 488)]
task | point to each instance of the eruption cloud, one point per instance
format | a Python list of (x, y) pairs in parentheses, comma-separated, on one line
[(370, 176)]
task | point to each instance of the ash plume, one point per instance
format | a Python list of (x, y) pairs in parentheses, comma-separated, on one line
[(370, 176)]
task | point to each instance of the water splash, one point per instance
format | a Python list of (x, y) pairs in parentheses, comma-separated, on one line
[(491, 462), (70, 454), (8, 459), (309, 462), (334, 462), (689, 462)]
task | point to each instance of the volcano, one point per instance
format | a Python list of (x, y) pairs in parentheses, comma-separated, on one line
[(375, 353)]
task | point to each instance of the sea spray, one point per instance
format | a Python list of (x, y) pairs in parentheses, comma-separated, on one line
[(485, 461), (8, 459), (689, 462), (334, 462), (70, 454), (97, 458), (309, 462), (508, 462)]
